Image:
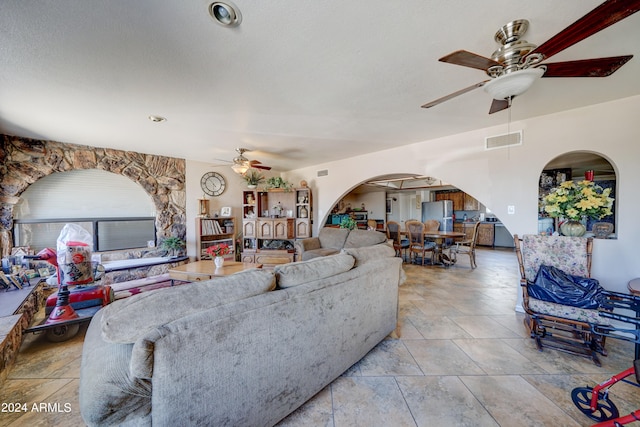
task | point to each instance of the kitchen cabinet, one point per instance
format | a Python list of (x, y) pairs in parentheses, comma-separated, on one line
[(470, 203), (486, 234), (457, 197)]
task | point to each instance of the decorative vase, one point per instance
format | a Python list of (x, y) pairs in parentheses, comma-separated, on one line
[(251, 186), (218, 261), (572, 228), (304, 212)]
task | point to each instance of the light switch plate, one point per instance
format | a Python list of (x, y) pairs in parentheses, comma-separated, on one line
[(511, 210)]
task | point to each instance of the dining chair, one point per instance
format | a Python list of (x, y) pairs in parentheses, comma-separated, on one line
[(466, 247), (417, 243), (431, 225), (400, 244), (372, 224)]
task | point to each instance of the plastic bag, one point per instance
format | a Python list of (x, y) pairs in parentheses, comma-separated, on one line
[(554, 285), (74, 249)]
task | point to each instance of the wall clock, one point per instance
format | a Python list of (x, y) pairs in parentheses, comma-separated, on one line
[(213, 183)]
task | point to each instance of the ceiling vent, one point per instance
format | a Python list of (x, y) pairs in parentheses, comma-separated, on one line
[(501, 141)]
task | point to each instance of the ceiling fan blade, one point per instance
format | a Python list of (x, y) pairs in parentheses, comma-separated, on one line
[(267, 168), (469, 59), (608, 13), (597, 67), (454, 94), (499, 105)]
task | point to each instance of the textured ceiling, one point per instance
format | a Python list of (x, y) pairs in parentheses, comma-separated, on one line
[(298, 82)]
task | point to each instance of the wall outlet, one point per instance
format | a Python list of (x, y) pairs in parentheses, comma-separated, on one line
[(511, 210)]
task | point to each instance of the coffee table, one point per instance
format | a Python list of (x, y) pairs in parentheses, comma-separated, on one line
[(206, 269)]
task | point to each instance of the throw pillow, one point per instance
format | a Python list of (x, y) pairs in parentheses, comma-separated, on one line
[(296, 273), (368, 253)]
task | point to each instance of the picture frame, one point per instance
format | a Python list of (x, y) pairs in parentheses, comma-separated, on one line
[(389, 207), (225, 211)]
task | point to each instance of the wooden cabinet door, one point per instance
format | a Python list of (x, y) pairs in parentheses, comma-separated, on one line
[(303, 228), (249, 229), (485, 235), (265, 229), (283, 228), (470, 204)]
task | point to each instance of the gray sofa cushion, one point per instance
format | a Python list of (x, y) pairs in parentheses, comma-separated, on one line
[(360, 238), (333, 237), (367, 253), (296, 273), (155, 308)]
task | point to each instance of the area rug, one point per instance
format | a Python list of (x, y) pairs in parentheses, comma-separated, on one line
[(125, 293)]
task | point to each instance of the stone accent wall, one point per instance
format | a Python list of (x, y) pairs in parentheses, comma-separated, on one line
[(23, 161)]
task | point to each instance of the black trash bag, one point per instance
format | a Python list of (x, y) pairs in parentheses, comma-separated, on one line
[(554, 285)]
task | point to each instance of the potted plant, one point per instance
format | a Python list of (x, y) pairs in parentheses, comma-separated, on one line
[(217, 252), (275, 182), (252, 177), (574, 201), (348, 223), (173, 245)]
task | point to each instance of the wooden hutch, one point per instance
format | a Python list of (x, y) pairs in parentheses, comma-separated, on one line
[(271, 221)]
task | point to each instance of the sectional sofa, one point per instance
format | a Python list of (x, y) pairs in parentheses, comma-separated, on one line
[(243, 350)]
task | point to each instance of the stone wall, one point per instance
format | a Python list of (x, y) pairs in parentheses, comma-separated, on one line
[(23, 161)]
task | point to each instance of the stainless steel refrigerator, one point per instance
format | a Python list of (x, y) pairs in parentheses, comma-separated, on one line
[(442, 211)]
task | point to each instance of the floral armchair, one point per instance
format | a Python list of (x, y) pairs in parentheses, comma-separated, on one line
[(562, 327)]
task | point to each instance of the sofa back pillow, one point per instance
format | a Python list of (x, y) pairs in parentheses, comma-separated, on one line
[(125, 320), (332, 237), (296, 273), (368, 253), (361, 238)]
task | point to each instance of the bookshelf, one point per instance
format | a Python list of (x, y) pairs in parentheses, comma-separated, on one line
[(212, 231)]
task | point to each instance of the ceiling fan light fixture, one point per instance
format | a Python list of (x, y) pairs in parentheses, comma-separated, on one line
[(513, 84), (240, 168), (225, 13)]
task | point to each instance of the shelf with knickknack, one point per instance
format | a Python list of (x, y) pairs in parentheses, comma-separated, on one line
[(214, 231), (271, 221)]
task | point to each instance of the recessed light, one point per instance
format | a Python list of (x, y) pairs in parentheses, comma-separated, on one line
[(157, 119), (225, 13)]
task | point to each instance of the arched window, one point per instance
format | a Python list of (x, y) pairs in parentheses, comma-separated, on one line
[(117, 212), (576, 166)]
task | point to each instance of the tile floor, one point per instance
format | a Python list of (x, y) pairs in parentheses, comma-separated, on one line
[(464, 359)]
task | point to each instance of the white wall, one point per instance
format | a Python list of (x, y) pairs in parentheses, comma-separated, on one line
[(503, 177)]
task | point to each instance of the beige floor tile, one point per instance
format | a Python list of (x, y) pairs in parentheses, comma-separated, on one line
[(437, 327), (317, 411), (443, 401), (482, 327), (370, 402), (497, 358), (442, 357), (512, 401), (389, 358)]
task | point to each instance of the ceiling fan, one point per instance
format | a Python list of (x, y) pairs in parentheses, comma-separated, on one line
[(517, 64), (241, 164)]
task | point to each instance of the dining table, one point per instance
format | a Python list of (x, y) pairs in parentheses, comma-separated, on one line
[(439, 238)]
